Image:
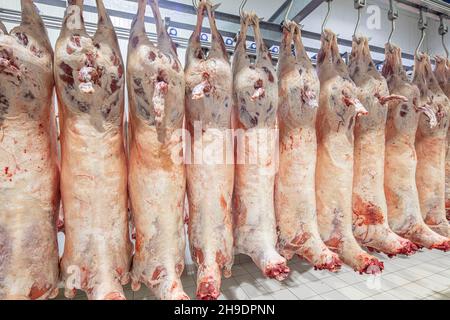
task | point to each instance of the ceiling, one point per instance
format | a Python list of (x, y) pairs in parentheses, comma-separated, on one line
[(264, 9)]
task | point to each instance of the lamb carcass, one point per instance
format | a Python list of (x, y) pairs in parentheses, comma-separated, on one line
[(29, 187), (370, 224), (255, 116), (338, 109), (210, 170), (89, 83), (157, 177), (295, 198), (404, 215), (431, 145), (442, 74)]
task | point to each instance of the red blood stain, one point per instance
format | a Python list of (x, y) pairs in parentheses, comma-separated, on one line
[(174, 286), (221, 259), (367, 213), (223, 202), (119, 271), (114, 85), (179, 268), (176, 67), (447, 204), (115, 59), (157, 273), (7, 54), (114, 296), (36, 291), (139, 242), (198, 255), (152, 56), (269, 74), (90, 59), (372, 266), (134, 42), (207, 290), (301, 239), (22, 37), (334, 243), (76, 40), (85, 278), (259, 84), (67, 77), (308, 254), (37, 52), (333, 266), (120, 71)]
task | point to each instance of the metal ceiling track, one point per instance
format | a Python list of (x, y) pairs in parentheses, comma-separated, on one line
[(435, 7), (52, 22)]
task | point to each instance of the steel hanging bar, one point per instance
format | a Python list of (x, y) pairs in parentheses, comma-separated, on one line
[(422, 27), (392, 16), (359, 4), (328, 15), (123, 33), (241, 8), (288, 11), (443, 30)]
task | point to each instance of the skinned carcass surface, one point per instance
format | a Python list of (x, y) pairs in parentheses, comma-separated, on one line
[(370, 224), (295, 198), (90, 86), (29, 187), (255, 115), (210, 170), (338, 109), (402, 197), (157, 177), (431, 146), (442, 74)]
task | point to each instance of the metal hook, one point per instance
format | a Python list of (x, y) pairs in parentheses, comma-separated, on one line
[(443, 30), (420, 43), (445, 47), (286, 17), (241, 8), (392, 16), (422, 27), (328, 14), (359, 4)]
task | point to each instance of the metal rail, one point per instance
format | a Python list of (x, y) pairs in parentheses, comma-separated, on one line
[(123, 33)]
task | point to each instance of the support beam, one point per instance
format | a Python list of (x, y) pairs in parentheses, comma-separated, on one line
[(280, 10), (437, 8), (220, 16), (307, 10)]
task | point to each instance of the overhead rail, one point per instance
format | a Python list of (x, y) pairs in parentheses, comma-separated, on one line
[(274, 28)]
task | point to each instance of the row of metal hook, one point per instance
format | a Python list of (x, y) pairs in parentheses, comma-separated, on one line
[(359, 5), (243, 4)]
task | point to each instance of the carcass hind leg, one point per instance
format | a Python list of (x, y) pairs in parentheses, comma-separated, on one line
[(319, 255), (105, 288), (423, 236), (170, 289), (352, 254), (442, 228), (209, 280), (381, 238), (272, 264)]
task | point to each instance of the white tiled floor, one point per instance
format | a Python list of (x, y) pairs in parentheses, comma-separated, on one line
[(426, 275)]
